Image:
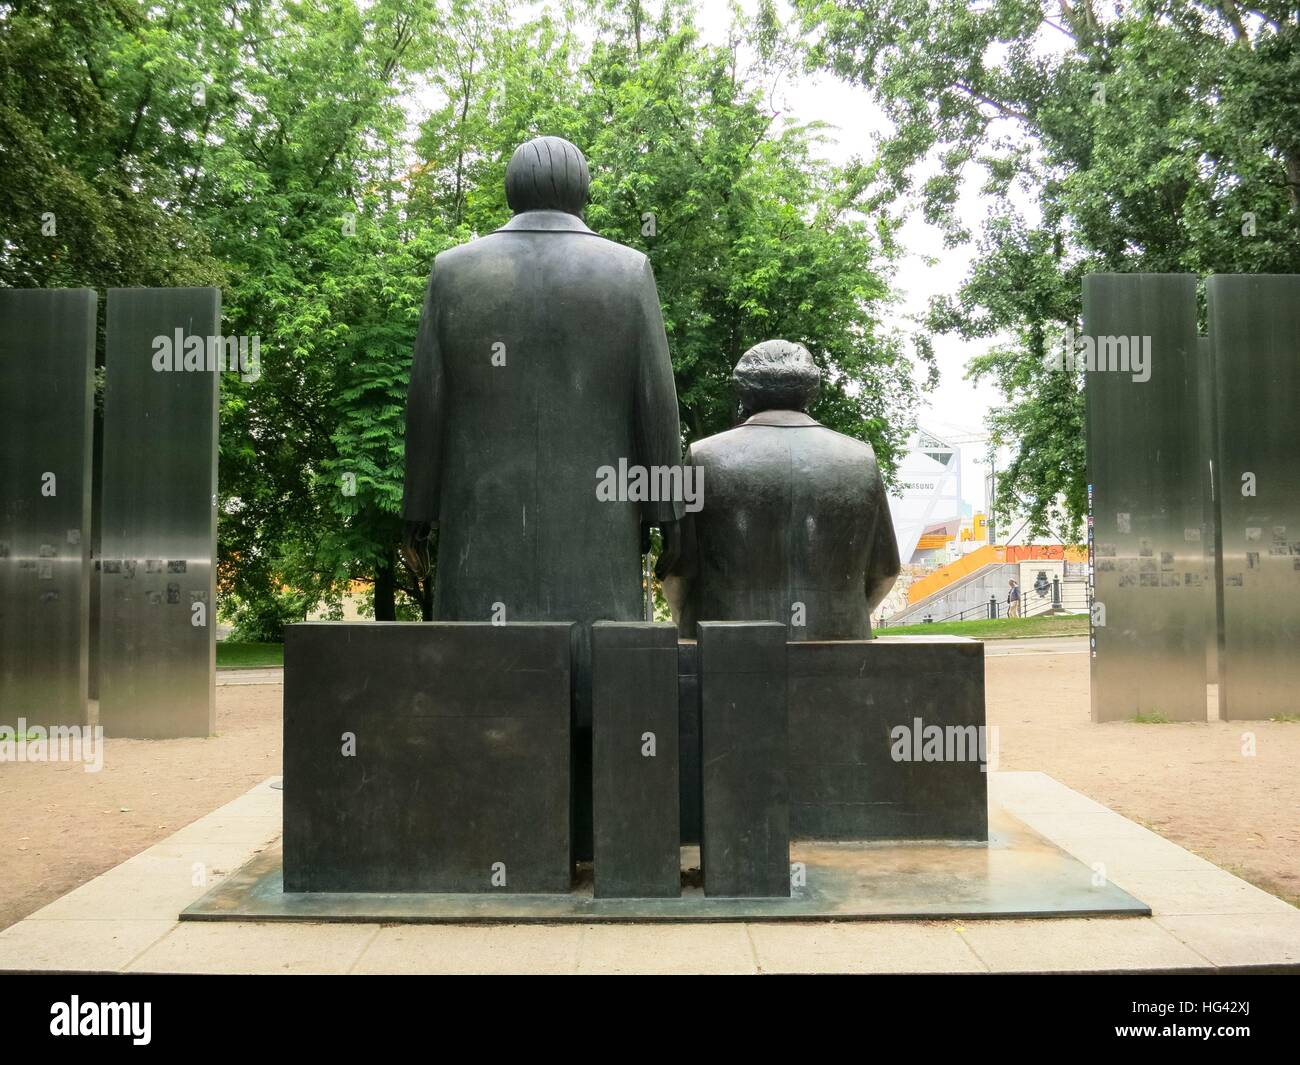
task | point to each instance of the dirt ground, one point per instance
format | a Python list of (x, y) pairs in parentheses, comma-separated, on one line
[(64, 826), (1189, 782)]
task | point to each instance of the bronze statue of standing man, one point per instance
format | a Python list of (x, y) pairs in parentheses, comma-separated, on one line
[(541, 358)]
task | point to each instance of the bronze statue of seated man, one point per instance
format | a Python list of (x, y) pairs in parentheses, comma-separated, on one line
[(795, 524)]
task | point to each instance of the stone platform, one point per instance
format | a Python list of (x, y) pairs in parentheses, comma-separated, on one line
[(1017, 874), (1203, 919)]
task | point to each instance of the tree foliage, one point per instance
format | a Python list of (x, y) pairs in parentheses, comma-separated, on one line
[(313, 156), (1153, 135)]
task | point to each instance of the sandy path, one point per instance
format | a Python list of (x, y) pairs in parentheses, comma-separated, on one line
[(64, 826), (1190, 783)]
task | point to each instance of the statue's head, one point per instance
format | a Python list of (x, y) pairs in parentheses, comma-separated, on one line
[(776, 375), (547, 174)]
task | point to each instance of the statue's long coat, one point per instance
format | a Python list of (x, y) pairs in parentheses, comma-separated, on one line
[(541, 357), (504, 459), (795, 528)]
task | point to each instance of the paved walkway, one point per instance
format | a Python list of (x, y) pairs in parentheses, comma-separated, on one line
[(1038, 645), (1204, 919), (269, 675)]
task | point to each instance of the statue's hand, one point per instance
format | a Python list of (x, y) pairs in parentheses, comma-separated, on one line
[(671, 532), (415, 546)]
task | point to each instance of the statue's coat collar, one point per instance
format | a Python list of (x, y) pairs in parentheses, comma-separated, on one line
[(545, 222), (785, 418)]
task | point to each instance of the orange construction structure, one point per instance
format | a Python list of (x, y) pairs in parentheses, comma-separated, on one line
[(984, 556)]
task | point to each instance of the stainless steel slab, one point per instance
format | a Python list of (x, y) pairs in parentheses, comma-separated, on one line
[(1255, 331), (1148, 521), (1016, 874), (47, 360), (1212, 547), (158, 513)]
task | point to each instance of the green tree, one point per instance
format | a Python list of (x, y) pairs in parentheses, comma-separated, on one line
[(267, 147), (751, 234), (302, 197), (92, 97), (1144, 137)]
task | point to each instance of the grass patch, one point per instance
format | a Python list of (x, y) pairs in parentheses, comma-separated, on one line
[(249, 655), (1287, 719), (996, 629), (1151, 719)]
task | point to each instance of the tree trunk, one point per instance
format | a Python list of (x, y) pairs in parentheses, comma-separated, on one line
[(385, 590)]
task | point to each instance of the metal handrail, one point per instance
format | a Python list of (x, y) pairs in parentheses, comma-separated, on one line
[(1031, 605)]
